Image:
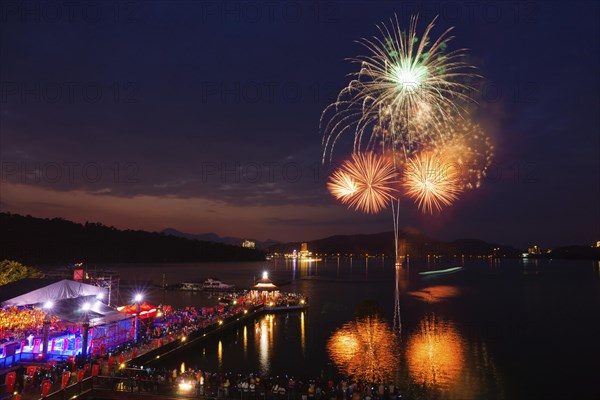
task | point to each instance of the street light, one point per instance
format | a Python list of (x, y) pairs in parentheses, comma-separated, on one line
[(46, 327), (85, 307), (137, 299)]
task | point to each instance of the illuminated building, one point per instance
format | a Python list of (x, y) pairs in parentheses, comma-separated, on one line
[(304, 253), (249, 244), (534, 250)]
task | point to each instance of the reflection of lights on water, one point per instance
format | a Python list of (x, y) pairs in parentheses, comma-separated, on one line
[(435, 353), (365, 349), (302, 336), (220, 353), (245, 340), (435, 294), (182, 367), (264, 337)]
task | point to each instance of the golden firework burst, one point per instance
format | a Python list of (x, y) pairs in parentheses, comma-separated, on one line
[(366, 182), (431, 182)]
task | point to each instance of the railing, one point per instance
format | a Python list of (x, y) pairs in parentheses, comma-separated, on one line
[(10, 360), (77, 389), (7, 362)]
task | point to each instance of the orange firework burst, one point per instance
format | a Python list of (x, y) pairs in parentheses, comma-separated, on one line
[(467, 149), (365, 183), (430, 182)]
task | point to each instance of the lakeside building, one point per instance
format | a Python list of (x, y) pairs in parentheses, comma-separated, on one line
[(534, 250), (249, 244)]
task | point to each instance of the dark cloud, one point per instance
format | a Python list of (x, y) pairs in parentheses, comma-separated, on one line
[(221, 101)]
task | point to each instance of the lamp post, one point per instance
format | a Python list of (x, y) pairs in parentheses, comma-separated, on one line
[(47, 321), (137, 299), (86, 329)]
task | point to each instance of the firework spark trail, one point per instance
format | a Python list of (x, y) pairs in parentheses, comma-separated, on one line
[(430, 182), (404, 91), (366, 182), (469, 150)]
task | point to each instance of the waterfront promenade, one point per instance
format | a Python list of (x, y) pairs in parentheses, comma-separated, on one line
[(184, 326)]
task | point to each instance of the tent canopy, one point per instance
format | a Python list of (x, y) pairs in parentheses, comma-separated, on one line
[(39, 291), (132, 308), (71, 310), (147, 310)]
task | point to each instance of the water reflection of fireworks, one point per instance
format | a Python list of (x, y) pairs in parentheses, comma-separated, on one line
[(365, 349), (435, 354)]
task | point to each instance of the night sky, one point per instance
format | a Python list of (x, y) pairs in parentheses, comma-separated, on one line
[(204, 116)]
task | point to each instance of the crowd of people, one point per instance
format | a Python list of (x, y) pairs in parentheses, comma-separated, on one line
[(18, 324), (195, 383), (272, 298)]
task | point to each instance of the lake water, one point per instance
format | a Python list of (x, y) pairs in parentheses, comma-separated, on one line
[(500, 329)]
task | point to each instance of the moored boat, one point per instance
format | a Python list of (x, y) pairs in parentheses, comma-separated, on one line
[(215, 285)]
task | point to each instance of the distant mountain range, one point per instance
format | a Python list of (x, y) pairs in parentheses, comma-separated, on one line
[(419, 245), (213, 237), (46, 241), (415, 244)]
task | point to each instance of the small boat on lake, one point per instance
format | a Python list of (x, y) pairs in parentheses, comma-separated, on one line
[(215, 285)]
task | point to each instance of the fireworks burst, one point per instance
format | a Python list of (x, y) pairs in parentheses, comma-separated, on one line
[(405, 89), (469, 150), (430, 182), (365, 182)]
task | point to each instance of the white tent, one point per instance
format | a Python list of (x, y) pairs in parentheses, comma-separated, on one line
[(65, 289)]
